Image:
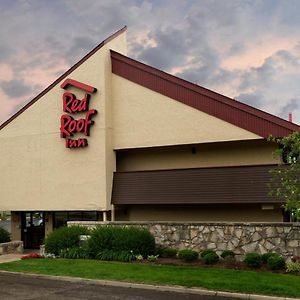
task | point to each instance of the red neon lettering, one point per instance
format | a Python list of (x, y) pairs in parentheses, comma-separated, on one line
[(72, 105), (88, 121), (70, 126), (64, 122), (76, 143), (80, 125)]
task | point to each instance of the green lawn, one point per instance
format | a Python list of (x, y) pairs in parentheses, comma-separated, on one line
[(209, 278)]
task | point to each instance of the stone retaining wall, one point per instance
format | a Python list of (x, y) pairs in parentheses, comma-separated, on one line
[(283, 238), (11, 247)]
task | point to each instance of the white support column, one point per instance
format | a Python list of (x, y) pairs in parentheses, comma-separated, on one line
[(104, 216), (113, 213)]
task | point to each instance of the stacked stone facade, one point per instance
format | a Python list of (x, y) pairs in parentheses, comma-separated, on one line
[(283, 238)]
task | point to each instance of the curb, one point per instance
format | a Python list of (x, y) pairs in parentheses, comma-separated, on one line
[(163, 288)]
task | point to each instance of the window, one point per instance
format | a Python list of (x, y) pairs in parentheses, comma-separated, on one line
[(62, 217)]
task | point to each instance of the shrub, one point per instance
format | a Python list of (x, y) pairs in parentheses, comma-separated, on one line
[(205, 252), (168, 252), (152, 257), (253, 260), (4, 235), (210, 258), (293, 267), (266, 256), (74, 253), (139, 257), (120, 240), (227, 253), (188, 255), (64, 238), (112, 255), (276, 262)]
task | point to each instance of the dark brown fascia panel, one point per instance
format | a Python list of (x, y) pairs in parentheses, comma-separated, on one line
[(45, 91), (240, 184), (217, 105)]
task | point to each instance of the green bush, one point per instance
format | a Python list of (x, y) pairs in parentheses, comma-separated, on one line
[(266, 256), (227, 253), (253, 260), (210, 258), (74, 253), (112, 255), (276, 262), (168, 252), (293, 267), (205, 252), (152, 258), (120, 240), (188, 255), (64, 238), (4, 235)]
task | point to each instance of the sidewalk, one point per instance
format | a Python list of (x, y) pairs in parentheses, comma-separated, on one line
[(9, 257)]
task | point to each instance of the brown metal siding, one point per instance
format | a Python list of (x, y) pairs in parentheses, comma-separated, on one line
[(242, 184), (210, 102)]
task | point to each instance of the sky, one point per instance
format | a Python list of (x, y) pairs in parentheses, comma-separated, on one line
[(248, 50)]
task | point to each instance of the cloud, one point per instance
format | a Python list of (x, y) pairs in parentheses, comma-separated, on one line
[(291, 106), (253, 99), (245, 48), (171, 49), (15, 88)]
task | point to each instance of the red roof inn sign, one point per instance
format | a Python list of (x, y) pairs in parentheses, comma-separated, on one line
[(72, 105)]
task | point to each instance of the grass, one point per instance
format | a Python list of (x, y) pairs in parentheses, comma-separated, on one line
[(264, 283)]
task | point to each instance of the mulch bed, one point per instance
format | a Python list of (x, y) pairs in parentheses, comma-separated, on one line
[(224, 264)]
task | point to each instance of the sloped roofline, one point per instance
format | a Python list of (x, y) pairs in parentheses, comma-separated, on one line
[(210, 102), (220, 106), (46, 90)]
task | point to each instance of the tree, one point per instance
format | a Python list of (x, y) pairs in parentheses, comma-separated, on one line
[(285, 180)]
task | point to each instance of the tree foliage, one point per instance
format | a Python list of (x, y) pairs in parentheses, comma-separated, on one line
[(285, 181)]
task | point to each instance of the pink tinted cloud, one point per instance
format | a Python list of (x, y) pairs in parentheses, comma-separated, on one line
[(257, 52)]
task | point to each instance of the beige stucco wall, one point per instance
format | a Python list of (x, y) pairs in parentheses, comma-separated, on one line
[(37, 171), (144, 118), (250, 152), (39, 174), (220, 213)]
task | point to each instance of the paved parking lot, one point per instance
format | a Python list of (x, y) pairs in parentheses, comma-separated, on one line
[(17, 287)]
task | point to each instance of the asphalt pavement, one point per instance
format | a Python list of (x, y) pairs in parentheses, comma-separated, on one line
[(28, 287)]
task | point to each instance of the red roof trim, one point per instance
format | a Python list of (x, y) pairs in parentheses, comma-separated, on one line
[(222, 107), (45, 91)]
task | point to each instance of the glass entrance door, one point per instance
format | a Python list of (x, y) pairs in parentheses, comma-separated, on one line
[(33, 229)]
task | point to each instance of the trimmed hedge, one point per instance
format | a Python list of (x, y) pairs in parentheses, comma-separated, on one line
[(188, 255), (253, 260), (210, 258), (227, 253), (120, 240), (206, 251), (266, 256), (166, 252), (4, 235), (276, 262), (64, 238)]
